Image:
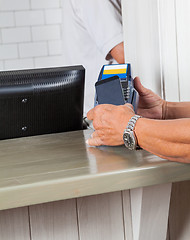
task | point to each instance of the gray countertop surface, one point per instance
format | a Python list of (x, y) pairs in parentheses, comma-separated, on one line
[(61, 166)]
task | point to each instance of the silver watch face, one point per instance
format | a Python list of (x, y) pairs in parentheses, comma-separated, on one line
[(129, 140)]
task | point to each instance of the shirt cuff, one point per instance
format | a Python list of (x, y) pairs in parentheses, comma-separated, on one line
[(109, 45)]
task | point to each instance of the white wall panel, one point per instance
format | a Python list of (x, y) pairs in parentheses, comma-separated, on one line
[(14, 224), (183, 44), (150, 209), (142, 47), (54, 221), (168, 38), (101, 217)]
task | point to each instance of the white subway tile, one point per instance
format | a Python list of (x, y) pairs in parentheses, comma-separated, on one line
[(55, 61), (1, 66), (15, 35), (33, 49), (29, 18), (8, 5), (55, 47), (35, 4), (6, 19), (46, 33), (8, 51), (53, 16), (19, 64)]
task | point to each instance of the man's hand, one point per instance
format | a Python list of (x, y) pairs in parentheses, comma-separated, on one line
[(150, 104), (109, 122)]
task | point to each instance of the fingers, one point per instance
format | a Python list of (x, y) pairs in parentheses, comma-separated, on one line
[(139, 87), (90, 114), (94, 141), (109, 122), (98, 110), (95, 134), (96, 138)]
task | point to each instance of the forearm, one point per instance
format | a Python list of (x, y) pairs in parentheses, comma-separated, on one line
[(174, 110), (168, 139), (118, 53)]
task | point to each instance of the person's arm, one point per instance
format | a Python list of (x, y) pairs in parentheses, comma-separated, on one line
[(174, 110), (118, 53), (102, 20), (152, 106), (169, 139)]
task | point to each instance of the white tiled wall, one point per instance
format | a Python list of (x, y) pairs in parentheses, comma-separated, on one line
[(30, 34)]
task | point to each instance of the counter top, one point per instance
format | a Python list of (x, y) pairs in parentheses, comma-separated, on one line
[(61, 166)]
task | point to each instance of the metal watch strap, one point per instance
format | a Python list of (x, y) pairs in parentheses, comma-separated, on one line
[(132, 122), (131, 126)]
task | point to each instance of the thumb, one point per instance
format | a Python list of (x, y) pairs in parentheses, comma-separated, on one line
[(139, 87)]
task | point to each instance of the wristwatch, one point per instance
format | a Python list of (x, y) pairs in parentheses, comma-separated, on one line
[(129, 137)]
